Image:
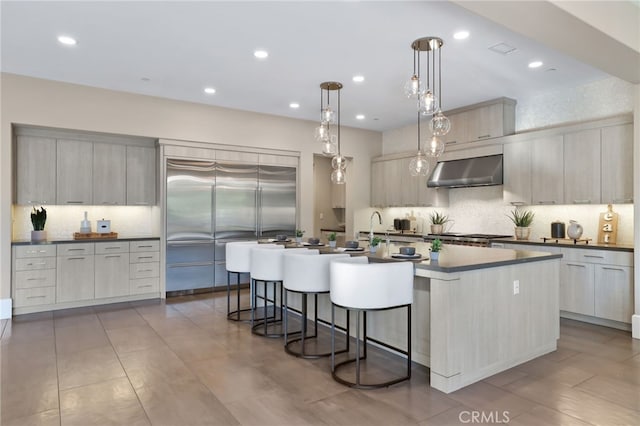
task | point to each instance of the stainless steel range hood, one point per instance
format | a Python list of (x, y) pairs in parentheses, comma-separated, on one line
[(477, 171)]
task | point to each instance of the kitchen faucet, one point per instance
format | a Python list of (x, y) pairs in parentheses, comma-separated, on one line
[(371, 224)]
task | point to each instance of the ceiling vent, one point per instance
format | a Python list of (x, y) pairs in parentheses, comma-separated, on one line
[(502, 48)]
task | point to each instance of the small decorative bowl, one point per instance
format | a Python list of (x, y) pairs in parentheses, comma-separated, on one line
[(408, 251), (352, 244), (314, 241), (281, 237)]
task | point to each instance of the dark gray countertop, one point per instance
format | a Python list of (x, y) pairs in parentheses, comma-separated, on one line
[(568, 243), (72, 241)]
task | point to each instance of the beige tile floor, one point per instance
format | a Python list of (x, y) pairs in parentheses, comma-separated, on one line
[(183, 363)]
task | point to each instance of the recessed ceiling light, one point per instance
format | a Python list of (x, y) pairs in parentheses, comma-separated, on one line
[(461, 35), (209, 90), (69, 41), (294, 105), (360, 117), (535, 64), (261, 54), (358, 78)]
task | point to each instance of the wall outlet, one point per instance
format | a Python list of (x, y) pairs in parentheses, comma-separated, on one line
[(321, 216), (516, 287)]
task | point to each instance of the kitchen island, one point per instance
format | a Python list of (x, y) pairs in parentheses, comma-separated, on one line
[(476, 312)]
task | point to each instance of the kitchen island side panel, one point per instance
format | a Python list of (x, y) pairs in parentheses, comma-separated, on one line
[(480, 327)]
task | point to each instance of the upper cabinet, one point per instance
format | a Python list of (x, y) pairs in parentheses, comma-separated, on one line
[(617, 164), (587, 163), (141, 176), (35, 170), (70, 168), (393, 186), (74, 175), (486, 120)]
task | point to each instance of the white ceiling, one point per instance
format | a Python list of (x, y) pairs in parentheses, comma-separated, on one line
[(182, 47)]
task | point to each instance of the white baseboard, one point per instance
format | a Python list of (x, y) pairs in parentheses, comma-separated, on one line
[(635, 325), (5, 308)]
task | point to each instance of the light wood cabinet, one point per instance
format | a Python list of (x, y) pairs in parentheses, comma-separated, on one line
[(111, 269), (577, 288), (614, 292), (547, 164), (144, 268), (517, 173), (393, 186), (34, 275), (35, 170), (75, 273), (582, 167), (141, 176), (617, 164), (74, 172), (109, 174), (458, 132), (486, 120)]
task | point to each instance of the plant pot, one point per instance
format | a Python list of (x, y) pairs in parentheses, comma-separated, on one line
[(298, 240), (373, 249), (437, 229), (434, 255), (522, 233), (332, 244), (37, 236)]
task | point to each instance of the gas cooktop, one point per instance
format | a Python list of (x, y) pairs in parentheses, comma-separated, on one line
[(461, 235), (482, 240)]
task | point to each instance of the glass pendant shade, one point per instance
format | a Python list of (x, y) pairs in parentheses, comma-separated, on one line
[(328, 115), (434, 147), (427, 105), (439, 124), (338, 176), (329, 148), (322, 132), (339, 162), (419, 165), (412, 87)]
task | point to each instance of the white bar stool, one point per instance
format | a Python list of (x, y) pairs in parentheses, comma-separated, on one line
[(360, 286), (306, 275), (266, 267), (237, 262)]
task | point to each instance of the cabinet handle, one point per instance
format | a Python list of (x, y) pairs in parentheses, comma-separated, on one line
[(145, 257), (143, 286), (113, 255), (594, 256), (113, 248), (145, 246), (76, 249), (36, 297), (517, 203), (37, 264), (612, 269), (622, 200), (576, 264), (36, 251), (76, 258), (145, 270), (37, 202), (581, 201), (74, 202), (484, 136), (141, 203), (36, 279), (546, 202), (450, 142)]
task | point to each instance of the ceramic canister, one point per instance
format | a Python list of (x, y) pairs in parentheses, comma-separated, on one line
[(557, 229)]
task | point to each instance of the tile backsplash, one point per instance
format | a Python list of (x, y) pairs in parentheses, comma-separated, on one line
[(63, 221)]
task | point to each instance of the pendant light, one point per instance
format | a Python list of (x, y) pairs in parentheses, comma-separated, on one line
[(331, 142), (419, 165)]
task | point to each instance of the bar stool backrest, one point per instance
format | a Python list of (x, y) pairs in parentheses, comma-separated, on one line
[(308, 274), (266, 264), (238, 255), (371, 285)]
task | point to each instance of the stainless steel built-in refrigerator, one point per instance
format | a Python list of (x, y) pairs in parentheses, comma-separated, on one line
[(210, 204)]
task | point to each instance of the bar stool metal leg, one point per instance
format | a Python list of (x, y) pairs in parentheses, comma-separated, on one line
[(236, 313)]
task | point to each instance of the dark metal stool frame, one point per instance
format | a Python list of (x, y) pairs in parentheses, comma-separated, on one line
[(357, 384), (238, 310), (266, 320), (303, 331)]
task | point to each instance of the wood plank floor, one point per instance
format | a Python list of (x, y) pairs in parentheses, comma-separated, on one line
[(182, 363)]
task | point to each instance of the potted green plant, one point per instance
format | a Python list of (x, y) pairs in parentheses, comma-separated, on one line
[(436, 246), (375, 242), (38, 220), (299, 234), (437, 222), (522, 219), (332, 239)]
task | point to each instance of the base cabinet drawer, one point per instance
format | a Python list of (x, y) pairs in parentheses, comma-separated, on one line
[(144, 270), (137, 246), (144, 285), (140, 257), (37, 278), (30, 264), (35, 296), (35, 251)]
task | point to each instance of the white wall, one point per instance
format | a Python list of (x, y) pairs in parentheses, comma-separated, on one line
[(39, 102)]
